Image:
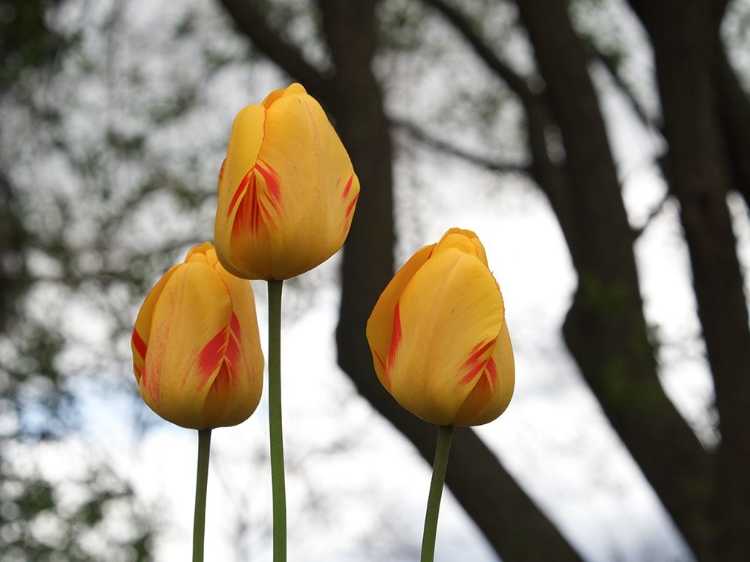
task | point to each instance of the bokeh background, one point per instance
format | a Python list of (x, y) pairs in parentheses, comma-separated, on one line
[(597, 147)]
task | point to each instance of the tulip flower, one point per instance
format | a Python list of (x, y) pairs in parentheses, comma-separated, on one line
[(287, 193), (438, 335), (196, 347), (287, 189), (440, 346)]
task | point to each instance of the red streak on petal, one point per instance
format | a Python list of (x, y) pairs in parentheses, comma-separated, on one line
[(481, 394), (221, 170), (210, 356), (150, 379), (468, 377), (267, 216), (221, 382), (248, 213), (222, 352), (351, 205), (232, 354), (241, 190), (272, 183), (139, 345), (253, 208), (234, 326), (476, 361), (395, 338), (380, 360), (492, 371), (385, 370), (348, 186)]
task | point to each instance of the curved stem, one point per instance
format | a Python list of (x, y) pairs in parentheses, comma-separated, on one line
[(439, 467), (201, 486), (278, 485)]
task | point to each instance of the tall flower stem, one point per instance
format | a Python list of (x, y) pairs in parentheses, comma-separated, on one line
[(201, 485), (439, 467), (278, 485)]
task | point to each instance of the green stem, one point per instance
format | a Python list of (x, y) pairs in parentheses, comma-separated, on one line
[(439, 467), (278, 486), (201, 485)]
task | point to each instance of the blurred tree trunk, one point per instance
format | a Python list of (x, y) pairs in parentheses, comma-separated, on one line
[(700, 178), (605, 328), (512, 523)]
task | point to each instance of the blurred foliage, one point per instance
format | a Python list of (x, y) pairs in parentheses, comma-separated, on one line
[(82, 175), (26, 39)]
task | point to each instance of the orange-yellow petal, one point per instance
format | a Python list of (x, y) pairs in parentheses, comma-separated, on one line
[(202, 366), (287, 190), (438, 336), (380, 325), (464, 240), (188, 324), (493, 390), (244, 369), (451, 315), (142, 329), (239, 196), (318, 184), (291, 90)]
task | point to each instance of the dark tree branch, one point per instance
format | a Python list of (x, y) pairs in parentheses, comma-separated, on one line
[(548, 175), (662, 161), (254, 26), (514, 81), (419, 134), (655, 212), (610, 65)]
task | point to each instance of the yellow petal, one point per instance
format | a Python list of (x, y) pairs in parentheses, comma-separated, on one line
[(316, 183), (239, 242), (202, 253), (196, 347), (451, 313), (237, 387), (380, 327), (142, 330), (287, 190), (465, 240), (291, 90), (492, 393), (189, 324)]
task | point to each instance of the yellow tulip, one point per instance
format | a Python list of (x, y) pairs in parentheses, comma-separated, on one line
[(438, 335), (287, 189), (196, 347)]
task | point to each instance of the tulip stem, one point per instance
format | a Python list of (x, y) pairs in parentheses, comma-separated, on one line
[(201, 486), (439, 468), (278, 486)]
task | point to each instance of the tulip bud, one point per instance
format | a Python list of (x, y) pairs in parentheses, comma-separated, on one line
[(438, 336), (196, 347), (287, 189)]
